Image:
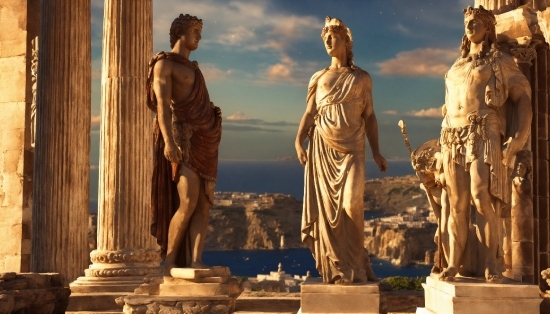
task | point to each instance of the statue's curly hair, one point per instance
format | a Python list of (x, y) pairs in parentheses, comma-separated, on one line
[(180, 25), (489, 20), (344, 32)]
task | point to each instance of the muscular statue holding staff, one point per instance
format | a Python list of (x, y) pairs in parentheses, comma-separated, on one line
[(186, 138), (338, 115), (474, 132)]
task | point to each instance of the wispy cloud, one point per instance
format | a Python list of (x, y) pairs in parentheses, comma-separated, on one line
[(422, 113), (247, 26), (247, 128), (428, 62)]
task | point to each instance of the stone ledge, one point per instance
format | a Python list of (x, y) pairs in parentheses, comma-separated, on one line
[(33, 293)]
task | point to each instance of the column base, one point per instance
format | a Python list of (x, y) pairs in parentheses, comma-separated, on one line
[(467, 295), (319, 297), (112, 275)]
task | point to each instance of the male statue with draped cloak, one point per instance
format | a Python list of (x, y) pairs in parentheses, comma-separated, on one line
[(187, 134), (338, 115)]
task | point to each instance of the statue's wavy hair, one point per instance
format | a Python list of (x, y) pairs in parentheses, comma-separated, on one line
[(180, 25), (489, 20), (346, 34)]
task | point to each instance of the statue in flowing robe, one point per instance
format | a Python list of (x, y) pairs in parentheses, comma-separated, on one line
[(339, 113), (187, 135)]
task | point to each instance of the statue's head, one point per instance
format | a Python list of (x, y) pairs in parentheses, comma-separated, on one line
[(523, 164), (182, 25), (479, 27), (335, 27)]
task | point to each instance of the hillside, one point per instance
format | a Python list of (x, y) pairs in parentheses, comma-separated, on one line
[(392, 195)]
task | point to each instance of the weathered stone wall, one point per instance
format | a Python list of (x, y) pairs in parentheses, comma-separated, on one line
[(32, 293), (19, 25)]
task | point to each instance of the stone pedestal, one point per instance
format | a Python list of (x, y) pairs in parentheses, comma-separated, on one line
[(210, 290), (474, 296), (319, 297)]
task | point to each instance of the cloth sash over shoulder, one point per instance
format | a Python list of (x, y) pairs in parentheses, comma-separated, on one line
[(196, 125)]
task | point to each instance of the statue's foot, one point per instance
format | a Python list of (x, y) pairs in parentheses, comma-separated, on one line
[(342, 281), (167, 269), (198, 265), (493, 278), (448, 274), (436, 270)]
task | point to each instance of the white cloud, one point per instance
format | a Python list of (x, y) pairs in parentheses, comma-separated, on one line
[(238, 116), (422, 113), (430, 62), (402, 29), (212, 73)]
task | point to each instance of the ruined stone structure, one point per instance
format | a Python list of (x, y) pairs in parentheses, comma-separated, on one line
[(523, 28), (19, 24)]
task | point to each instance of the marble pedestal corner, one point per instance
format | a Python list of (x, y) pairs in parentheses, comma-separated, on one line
[(318, 297), (475, 296)]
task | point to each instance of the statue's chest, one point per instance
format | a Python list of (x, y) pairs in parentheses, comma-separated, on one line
[(469, 73)]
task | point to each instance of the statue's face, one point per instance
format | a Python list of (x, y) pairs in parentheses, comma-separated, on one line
[(521, 169), (335, 44), (192, 36), (474, 29)]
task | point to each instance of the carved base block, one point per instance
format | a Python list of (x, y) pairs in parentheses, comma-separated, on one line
[(178, 304), (475, 296), (319, 297)]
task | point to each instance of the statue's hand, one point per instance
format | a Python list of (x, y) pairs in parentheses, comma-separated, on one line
[(172, 153), (301, 152), (509, 154), (381, 162)]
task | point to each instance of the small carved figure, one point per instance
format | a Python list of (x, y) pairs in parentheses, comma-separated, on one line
[(338, 115), (473, 133), (187, 134)]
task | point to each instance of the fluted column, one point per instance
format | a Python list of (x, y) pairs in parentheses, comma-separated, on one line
[(62, 162), (126, 252)]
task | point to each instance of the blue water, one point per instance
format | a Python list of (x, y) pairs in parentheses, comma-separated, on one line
[(249, 263), (286, 177)]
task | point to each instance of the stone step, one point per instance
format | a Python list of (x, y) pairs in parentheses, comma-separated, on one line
[(93, 312)]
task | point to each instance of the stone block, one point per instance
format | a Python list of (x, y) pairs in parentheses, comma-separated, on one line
[(12, 139), (543, 150), (516, 23), (318, 297), (194, 273), (474, 296), (12, 161), (187, 288), (13, 263), (7, 303), (13, 79), (13, 22), (542, 128), (543, 235), (178, 304), (542, 173), (14, 114), (13, 189), (543, 207)]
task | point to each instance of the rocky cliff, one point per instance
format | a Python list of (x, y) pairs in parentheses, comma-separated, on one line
[(248, 227), (402, 247)]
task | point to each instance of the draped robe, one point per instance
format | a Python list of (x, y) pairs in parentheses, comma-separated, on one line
[(335, 177), (196, 125)]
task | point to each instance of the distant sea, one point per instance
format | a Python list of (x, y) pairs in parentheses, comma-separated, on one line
[(286, 177), (249, 263)]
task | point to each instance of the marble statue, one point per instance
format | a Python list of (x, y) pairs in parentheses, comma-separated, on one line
[(338, 115), (487, 106), (187, 134)]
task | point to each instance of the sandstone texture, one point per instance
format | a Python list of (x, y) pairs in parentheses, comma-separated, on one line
[(33, 293)]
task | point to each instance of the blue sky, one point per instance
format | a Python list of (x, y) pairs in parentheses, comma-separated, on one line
[(258, 56)]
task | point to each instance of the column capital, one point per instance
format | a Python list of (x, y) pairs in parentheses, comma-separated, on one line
[(524, 54)]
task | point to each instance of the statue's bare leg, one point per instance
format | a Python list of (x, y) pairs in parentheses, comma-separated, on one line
[(458, 191), (490, 218), (199, 227), (188, 192)]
